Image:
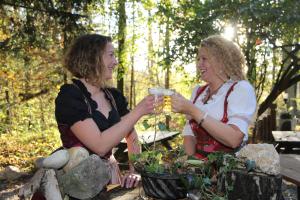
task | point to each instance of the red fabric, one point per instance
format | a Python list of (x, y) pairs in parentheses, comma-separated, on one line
[(38, 196), (70, 140), (205, 142)]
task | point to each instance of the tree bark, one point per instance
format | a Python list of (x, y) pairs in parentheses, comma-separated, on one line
[(50, 186), (121, 42), (27, 191), (251, 186), (150, 57), (167, 63), (288, 76), (44, 180), (131, 101)]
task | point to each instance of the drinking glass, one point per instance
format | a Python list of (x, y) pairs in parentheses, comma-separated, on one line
[(167, 93), (167, 107), (156, 92)]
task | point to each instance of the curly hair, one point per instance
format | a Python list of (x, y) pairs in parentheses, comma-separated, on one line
[(84, 58), (228, 54)]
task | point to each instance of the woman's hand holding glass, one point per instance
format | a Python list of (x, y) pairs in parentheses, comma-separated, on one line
[(149, 104), (181, 104), (165, 106)]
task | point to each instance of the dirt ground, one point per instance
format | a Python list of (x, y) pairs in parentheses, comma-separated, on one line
[(9, 191)]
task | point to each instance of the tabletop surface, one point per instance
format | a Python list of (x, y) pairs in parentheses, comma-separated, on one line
[(289, 136), (148, 136), (290, 167)]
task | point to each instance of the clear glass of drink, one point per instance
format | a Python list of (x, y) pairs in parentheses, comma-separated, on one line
[(167, 107), (156, 92), (167, 93)]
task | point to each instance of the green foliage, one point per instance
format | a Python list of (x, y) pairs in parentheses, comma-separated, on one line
[(194, 174), (33, 36), (151, 160), (262, 28), (22, 149)]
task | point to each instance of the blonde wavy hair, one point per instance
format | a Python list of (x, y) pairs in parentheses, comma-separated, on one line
[(228, 54), (84, 58)]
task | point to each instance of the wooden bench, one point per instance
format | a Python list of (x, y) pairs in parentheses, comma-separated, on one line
[(287, 141), (290, 169), (146, 139)]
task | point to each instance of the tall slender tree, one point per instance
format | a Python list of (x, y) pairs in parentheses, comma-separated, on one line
[(121, 44)]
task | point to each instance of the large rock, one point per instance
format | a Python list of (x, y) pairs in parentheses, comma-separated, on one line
[(12, 173), (87, 179), (265, 156), (76, 155)]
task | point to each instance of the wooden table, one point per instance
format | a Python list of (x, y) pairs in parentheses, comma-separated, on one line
[(287, 141), (290, 169), (146, 139)]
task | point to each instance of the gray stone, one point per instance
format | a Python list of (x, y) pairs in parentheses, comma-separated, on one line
[(265, 156), (76, 155), (56, 160), (12, 173), (86, 179)]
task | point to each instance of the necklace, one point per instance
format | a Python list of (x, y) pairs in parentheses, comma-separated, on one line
[(209, 94)]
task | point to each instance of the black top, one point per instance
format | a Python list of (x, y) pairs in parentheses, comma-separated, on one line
[(70, 107)]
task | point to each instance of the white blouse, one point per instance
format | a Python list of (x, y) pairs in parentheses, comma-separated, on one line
[(240, 110)]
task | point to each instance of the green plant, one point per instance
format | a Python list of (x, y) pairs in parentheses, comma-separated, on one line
[(195, 174), (158, 161)]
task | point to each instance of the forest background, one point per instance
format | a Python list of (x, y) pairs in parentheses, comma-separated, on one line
[(156, 43)]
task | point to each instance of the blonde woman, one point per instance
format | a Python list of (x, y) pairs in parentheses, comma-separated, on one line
[(219, 112)]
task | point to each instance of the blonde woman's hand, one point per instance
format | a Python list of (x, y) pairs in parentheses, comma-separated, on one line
[(180, 104)]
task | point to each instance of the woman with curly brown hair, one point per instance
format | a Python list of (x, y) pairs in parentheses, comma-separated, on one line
[(219, 113), (91, 114)]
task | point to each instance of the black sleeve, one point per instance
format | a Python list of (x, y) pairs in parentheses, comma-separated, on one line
[(70, 105), (121, 101)]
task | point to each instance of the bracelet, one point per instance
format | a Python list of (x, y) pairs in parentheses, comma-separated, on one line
[(203, 118)]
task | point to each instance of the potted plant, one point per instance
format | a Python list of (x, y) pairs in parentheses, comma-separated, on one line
[(173, 175)]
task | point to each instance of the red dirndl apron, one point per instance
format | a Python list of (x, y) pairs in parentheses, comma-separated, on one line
[(205, 142)]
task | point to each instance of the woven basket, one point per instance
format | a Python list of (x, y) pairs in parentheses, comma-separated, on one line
[(163, 186)]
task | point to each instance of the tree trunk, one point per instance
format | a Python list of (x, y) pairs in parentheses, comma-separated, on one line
[(121, 42), (150, 63), (288, 77), (50, 186), (251, 186), (27, 191), (167, 63), (45, 181), (131, 101)]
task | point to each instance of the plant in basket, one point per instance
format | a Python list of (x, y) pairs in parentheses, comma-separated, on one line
[(162, 173), (172, 174)]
